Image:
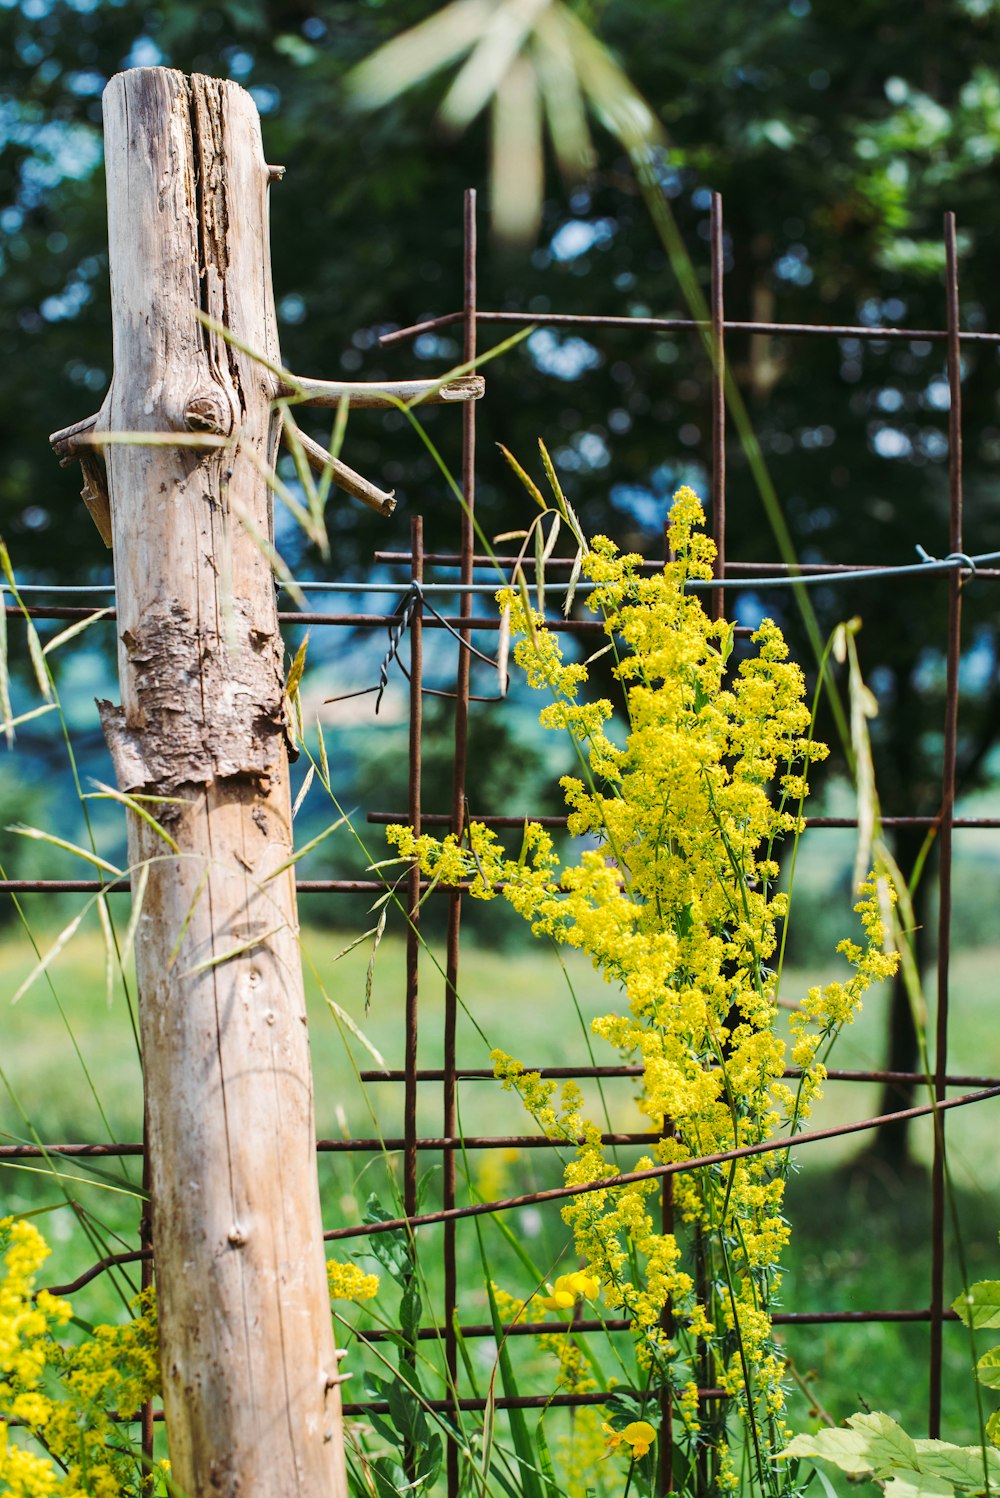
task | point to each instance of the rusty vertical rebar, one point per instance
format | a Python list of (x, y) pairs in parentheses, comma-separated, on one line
[(147, 1432), (413, 889), (458, 811), (718, 349), (947, 817), (666, 1441)]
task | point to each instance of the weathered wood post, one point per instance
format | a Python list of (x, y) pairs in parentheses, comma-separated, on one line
[(249, 1364)]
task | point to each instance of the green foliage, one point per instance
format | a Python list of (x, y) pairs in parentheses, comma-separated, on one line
[(874, 1446), (417, 1448)]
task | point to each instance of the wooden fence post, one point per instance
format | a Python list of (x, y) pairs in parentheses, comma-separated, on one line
[(249, 1364)]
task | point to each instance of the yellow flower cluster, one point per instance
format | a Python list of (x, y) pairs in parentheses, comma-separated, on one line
[(350, 1282), (117, 1368), (64, 1397), (673, 898), (575, 1375)]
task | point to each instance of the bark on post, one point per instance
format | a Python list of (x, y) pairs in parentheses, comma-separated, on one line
[(249, 1364)]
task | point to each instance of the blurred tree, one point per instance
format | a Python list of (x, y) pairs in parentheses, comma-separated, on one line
[(838, 136)]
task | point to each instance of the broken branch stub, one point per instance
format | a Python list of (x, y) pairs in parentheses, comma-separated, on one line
[(248, 1357)]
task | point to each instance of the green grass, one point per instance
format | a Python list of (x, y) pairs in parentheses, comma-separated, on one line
[(854, 1247)]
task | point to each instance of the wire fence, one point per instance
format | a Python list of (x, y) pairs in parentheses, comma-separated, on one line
[(409, 615)]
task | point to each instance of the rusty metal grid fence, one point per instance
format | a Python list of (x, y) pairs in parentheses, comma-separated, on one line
[(417, 616)]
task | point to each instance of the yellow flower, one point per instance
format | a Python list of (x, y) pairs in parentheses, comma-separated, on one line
[(638, 1435), (568, 1287)]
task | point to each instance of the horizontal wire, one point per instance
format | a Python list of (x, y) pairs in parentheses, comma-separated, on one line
[(787, 580), (686, 324)]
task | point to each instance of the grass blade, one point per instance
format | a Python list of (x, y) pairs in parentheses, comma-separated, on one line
[(134, 804), (38, 662), (296, 669), (109, 950), (574, 578), (307, 848), (5, 706), (73, 630), (60, 842), (370, 976), (528, 483), (232, 953), (175, 949), (138, 896), (66, 935), (303, 791), (523, 1447)]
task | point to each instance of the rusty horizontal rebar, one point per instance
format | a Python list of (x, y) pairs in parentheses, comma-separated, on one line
[(441, 819), (440, 1406), (391, 1143), (122, 886), (607, 1183), (682, 325), (586, 1327), (656, 1172), (351, 620), (578, 1073)]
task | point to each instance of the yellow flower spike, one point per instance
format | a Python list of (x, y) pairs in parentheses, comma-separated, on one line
[(673, 901)]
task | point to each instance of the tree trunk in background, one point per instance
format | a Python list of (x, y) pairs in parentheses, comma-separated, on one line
[(248, 1357), (889, 1147)]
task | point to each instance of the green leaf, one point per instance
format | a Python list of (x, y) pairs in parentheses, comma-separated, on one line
[(410, 58), (429, 1464), (988, 1369), (406, 1414), (410, 1309), (726, 647), (980, 1305), (872, 1444), (391, 1249), (539, 569), (625, 1405), (918, 1485), (960, 1465), (390, 1479)]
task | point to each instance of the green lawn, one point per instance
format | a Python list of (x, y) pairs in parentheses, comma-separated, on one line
[(853, 1247)]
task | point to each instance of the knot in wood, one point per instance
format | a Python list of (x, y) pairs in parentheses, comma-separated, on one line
[(208, 410)]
